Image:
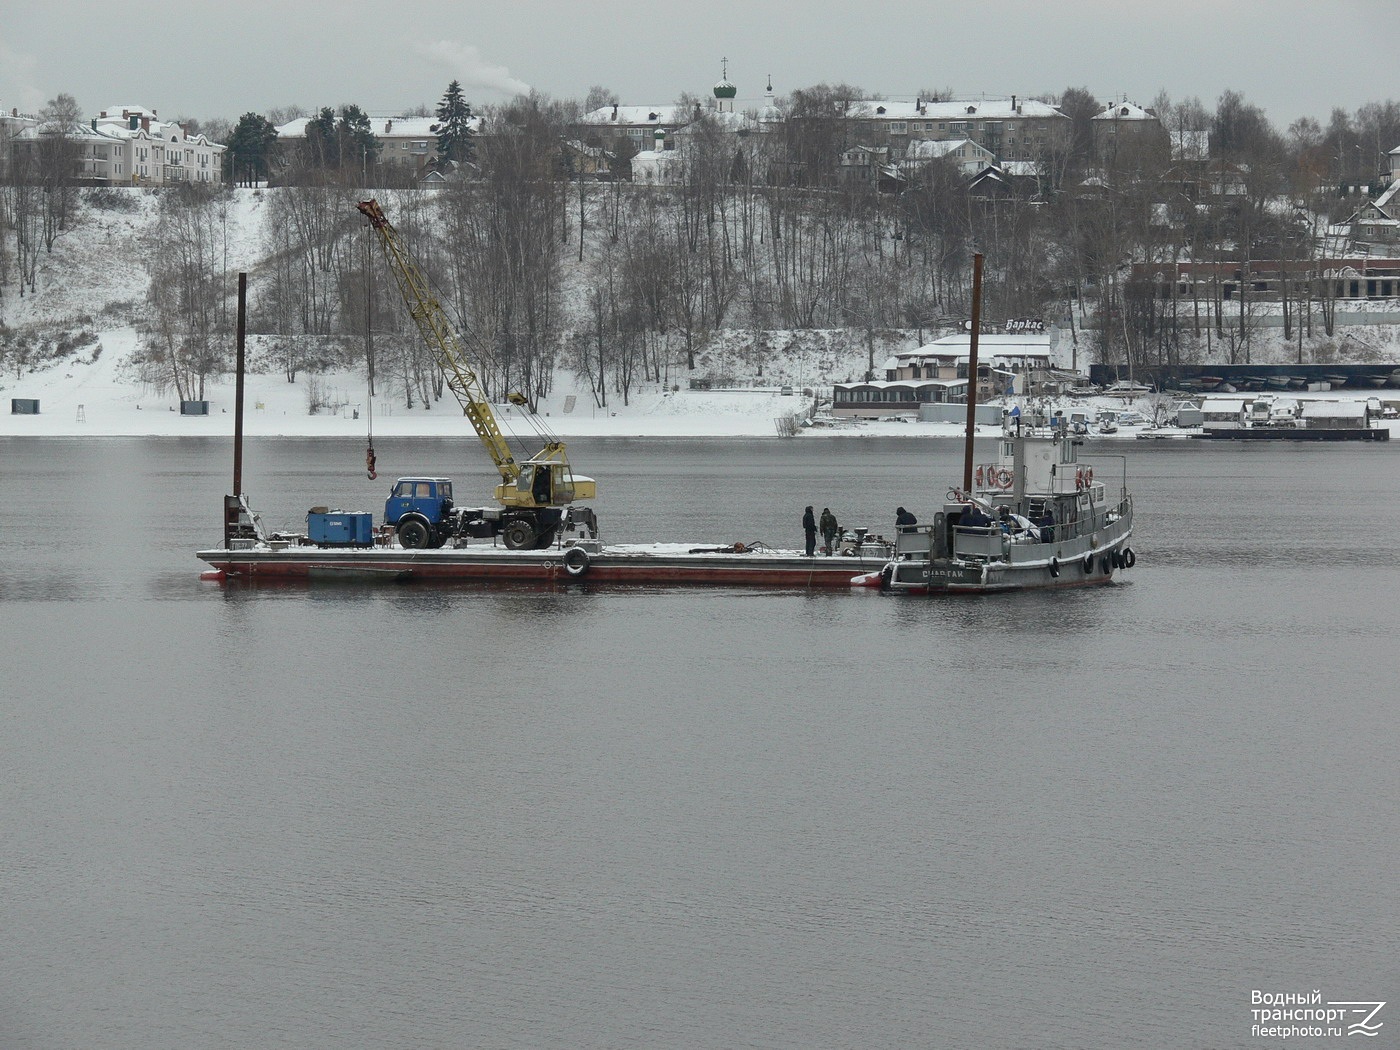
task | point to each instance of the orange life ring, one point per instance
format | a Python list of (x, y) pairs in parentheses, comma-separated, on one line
[(979, 475), (1079, 479), (1088, 475), (1004, 478)]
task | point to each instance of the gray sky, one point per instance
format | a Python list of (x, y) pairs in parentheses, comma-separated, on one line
[(203, 59)]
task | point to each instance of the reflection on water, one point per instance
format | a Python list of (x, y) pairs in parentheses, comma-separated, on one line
[(419, 815)]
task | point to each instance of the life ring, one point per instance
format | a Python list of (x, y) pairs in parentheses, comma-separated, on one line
[(1079, 479), (1088, 476), (980, 475), (1129, 558), (1004, 478), (576, 561), (1088, 563), (1054, 568)]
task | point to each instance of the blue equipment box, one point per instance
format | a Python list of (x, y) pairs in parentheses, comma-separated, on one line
[(338, 529)]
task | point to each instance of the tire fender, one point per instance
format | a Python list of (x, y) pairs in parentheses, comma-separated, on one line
[(576, 561)]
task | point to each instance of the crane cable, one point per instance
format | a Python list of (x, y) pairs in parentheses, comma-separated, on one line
[(369, 400)]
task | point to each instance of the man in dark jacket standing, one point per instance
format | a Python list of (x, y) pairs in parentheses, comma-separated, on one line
[(809, 527)]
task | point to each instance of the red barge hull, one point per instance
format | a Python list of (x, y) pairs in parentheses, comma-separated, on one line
[(636, 566)]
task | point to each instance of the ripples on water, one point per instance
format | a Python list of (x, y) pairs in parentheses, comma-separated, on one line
[(330, 816)]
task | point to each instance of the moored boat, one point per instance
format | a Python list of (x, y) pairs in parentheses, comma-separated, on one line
[(1033, 518), (1039, 518)]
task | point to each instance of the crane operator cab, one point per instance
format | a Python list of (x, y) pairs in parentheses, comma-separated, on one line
[(546, 483)]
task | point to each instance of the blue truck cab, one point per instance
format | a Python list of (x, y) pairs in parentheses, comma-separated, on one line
[(420, 509)]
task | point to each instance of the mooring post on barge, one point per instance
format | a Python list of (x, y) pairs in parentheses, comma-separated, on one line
[(976, 323), (234, 525)]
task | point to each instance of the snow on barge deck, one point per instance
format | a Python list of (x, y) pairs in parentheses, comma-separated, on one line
[(656, 563)]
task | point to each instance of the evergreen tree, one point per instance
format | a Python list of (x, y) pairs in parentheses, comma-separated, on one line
[(358, 146), (250, 148), (454, 129), (322, 147)]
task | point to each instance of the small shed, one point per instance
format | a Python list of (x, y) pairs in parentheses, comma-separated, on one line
[(1334, 415), (1223, 413)]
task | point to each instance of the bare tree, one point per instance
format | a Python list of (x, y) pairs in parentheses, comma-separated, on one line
[(184, 342), (59, 163)]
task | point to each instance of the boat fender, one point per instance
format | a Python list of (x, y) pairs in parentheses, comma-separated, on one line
[(1115, 559), (1129, 558), (576, 561), (886, 575), (1054, 568), (1088, 563), (1106, 566)]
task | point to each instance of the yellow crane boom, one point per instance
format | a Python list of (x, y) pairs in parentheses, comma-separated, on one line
[(441, 337), (546, 480)]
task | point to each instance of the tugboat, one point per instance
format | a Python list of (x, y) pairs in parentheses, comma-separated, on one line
[(1035, 517)]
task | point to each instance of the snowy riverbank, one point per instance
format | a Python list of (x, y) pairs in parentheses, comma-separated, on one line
[(82, 398)]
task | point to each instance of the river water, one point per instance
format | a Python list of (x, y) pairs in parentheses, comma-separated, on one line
[(329, 816)]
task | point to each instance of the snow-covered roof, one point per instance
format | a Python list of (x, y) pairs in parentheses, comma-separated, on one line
[(1022, 169), (724, 120), (635, 115), (1125, 111), (927, 149), (72, 130), (1333, 409), (115, 121), (959, 345), (972, 109), (123, 112), (1385, 198), (380, 125), (885, 384)]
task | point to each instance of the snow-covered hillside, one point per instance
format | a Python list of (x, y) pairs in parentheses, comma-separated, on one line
[(91, 296), (92, 290)]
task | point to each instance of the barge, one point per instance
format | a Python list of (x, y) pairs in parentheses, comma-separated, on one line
[(737, 565), (1272, 418), (1299, 434)]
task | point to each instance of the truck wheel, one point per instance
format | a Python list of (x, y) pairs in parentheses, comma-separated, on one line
[(545, 540), (413, 534), (518, 535)]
